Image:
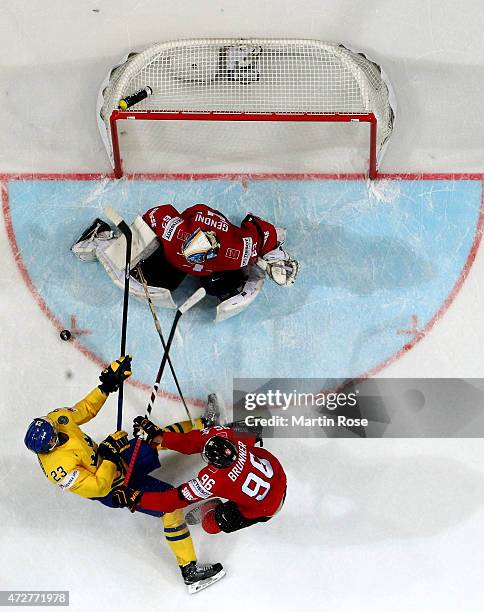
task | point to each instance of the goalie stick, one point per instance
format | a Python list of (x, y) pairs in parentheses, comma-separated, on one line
[(163, 343), (189, 303), (115, 217), (126, 231)]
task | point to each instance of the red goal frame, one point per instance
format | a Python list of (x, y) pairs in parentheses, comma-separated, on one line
[(150, 115)]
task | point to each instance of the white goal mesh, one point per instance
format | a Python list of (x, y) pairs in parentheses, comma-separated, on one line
[(251, 79)]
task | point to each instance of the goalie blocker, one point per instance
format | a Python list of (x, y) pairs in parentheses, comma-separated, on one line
[(232, 262)]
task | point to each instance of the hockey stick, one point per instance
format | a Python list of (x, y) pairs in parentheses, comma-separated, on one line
[(160, 334), (124, 228), (192, 300)]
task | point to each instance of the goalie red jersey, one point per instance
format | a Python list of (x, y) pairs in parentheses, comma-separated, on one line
[(256, 482), (201, 241)]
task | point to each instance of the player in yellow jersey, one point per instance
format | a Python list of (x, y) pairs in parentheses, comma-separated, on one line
[(73, 461)]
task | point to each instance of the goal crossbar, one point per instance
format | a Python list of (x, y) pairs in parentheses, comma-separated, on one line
[(208, 116)]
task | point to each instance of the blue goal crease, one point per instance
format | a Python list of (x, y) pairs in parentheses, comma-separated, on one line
[(372, 265)]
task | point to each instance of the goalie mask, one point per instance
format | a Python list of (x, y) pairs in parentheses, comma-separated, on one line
[(200, 246)]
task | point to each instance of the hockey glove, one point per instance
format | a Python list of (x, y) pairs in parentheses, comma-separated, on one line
[(279, 267), (146, 430), (114, 374), (112, 447), (124, 497)]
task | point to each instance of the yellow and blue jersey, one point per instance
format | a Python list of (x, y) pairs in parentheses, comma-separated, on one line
[(75, 465)]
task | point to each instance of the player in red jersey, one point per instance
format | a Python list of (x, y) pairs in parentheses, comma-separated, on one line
[(201, 241), (230, 261), (250, 478)]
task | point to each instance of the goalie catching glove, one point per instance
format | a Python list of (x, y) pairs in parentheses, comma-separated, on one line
[(279, 266), (112, 447), (145, 430), (112, 376), (124, 497)]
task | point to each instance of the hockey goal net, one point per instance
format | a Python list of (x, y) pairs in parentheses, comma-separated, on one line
[(243, 80)]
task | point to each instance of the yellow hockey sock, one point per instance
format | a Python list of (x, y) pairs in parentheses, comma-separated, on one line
[(178, 537), (184, 426)]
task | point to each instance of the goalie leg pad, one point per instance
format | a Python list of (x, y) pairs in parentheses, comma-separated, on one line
[(237, 303), (112, 253), (159, 295), (100, 236), (144, 243)]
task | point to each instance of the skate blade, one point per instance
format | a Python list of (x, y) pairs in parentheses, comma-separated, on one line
[(194, 517), (203, 584)]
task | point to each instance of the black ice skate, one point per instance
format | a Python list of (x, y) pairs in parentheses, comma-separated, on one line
[(85, 247), (199, 576)]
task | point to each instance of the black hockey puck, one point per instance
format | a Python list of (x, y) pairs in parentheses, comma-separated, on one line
[(65, 334)]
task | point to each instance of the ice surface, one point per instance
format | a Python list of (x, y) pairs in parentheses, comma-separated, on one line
[(372, 265), (368, 525)]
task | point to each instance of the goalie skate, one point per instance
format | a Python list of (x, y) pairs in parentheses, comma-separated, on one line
[(199, 576), (85, 247)]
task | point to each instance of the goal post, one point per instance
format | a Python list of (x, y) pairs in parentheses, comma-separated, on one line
[(252, 80)]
